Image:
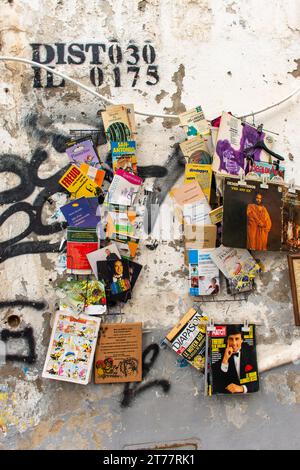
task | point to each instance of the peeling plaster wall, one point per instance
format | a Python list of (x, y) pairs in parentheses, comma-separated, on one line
[(221, 54)]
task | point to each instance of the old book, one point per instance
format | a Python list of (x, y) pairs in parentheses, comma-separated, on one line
[(194, 122), (231, 362), (188, 337), (78, 184), (117, 124), (119, 353), (80, 242), (200, 173), (195, 150)]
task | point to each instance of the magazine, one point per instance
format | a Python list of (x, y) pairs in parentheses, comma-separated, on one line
[(123, 188), (188, 338), (108, 253), (194, 122), (195, 150), (200, 173), (72, 347), (83, 151), (231, 360), (78, 184), (86, 296), (203, 273), (124, 156), (80, 242), (81, 212)]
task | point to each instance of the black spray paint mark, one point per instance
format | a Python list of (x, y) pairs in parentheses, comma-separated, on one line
[(174, 166), (27, 335), (132, 390), (37, 305)]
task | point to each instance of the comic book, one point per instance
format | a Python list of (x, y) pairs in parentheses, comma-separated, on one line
[(231, 361), (203, 273), (188, 338), (124, 156), (72, 347), (118, 355)]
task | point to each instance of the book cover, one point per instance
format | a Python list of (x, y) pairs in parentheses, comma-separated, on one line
[(200, 173), (124, 156), (267, 169), (216, 215), (187, 193), (78, 184), (236, 264), (232, 360), (118, 355), (291, 221), (71, 348), (80, 242), (79, 213), (130, 114), (252, 215), (203, 273), (83, 151), (188, 338), (116, 123), (123, 188), (234, 137), (195, 150), (95, 174), (86, 296), (194, 122)]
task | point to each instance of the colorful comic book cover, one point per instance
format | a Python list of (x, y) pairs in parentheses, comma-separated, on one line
[(124, 156), (72, 347), (82, 151), (87, 296), (188, 338), (232, 360), (234, 138), (252, 215), (203, 273)]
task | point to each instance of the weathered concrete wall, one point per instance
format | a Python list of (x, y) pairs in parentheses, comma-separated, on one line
[(225, 55)]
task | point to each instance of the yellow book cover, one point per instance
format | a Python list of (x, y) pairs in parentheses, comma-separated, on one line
[(78, 184), (200, 173)]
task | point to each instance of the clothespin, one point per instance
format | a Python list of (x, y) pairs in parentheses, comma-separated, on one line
[(260, 128), (292, 188), (242, 180), (246, 326), (210, 325), (264, 183)]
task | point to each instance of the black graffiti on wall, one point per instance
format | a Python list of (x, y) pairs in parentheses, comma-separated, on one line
[(15, 336), (132, 390), (105, 61)]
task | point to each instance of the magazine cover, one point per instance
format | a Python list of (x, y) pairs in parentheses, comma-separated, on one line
[(115, 275), (203, 273), (86, 296), (80, 242), (118, 355), (195, 150), (123, 188), (267, 169), (80, 213), (233, 362), (233, 138), (72, 347), (252, 216), (291, 221), (188, 338), (194, 122), (237, 265), (200, 173)]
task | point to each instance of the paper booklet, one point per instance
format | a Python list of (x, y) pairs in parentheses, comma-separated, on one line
[(87, 296), (80, 242), (72, 347), (195, 150), (188, 338), (200, 173), (194, 122), (234, 137), (108, 253), (203, 273), (231, 362), (82, 151), (78, 184), (123, 188), (236, 264), (118, 355)]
